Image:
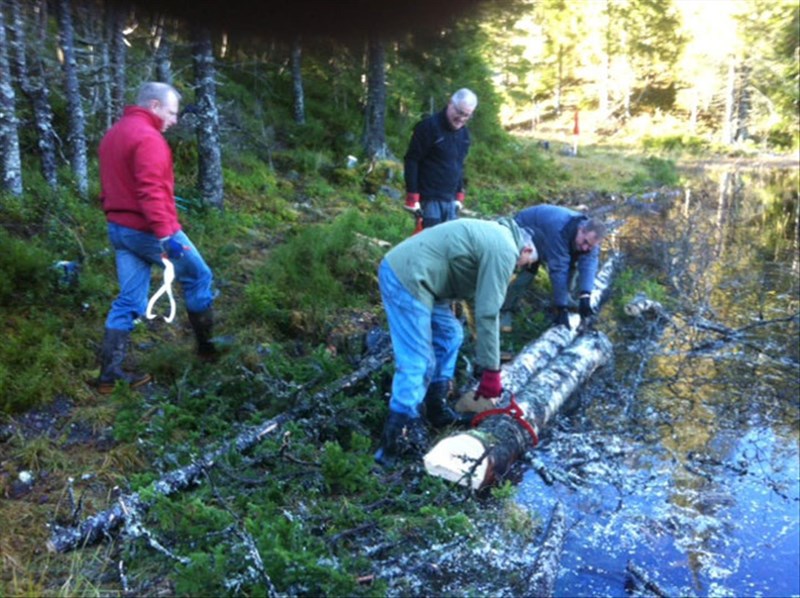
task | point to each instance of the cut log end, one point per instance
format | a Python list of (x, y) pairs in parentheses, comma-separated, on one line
[(461, 459), (469, 404)]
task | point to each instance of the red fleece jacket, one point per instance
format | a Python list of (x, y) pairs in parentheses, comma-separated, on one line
[(136, 178)]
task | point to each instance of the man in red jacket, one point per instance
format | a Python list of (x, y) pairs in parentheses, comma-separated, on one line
[(137, 194)]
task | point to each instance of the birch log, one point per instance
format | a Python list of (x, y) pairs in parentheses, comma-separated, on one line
[(101, 525), (537, 354), (481, 456)]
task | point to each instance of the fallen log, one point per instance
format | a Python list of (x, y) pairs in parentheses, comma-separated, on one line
[(542, 580), (481, 456), (537, 354), (104, 524)]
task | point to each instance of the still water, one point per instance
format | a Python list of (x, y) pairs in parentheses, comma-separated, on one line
[(682, 460)]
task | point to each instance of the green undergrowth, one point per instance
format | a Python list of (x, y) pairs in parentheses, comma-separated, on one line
[(294, 255)]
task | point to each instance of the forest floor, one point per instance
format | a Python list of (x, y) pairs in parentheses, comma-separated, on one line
[(69, 435)]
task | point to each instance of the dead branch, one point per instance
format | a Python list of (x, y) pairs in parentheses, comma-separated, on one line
[(545, 570)]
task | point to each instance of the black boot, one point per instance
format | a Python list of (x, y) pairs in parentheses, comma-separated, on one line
[(402, 435), (203, 325), (115, 346), (438, 413)]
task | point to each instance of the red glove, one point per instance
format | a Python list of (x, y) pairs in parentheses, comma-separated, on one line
[(412, 202), (490, 386), (459, 201)]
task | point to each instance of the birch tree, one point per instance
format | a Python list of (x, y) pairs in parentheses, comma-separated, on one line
[(163, 53), (9, 134), (375, 121), (297, 82), (76, 138), (33, 84), (209, 174)]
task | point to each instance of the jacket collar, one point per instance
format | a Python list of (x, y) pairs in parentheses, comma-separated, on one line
[(144, 113)]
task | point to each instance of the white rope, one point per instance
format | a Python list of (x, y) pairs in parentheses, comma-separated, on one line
[(169, 276)]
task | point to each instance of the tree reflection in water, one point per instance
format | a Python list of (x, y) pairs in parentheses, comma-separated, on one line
[(684, 459)]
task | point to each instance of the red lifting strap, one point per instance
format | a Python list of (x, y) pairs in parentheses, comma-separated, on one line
[(514, 411)]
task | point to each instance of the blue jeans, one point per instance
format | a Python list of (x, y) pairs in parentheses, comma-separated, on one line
[(136, 252), (425, 342), (435, 212)]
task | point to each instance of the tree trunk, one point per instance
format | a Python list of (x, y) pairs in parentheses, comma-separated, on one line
[(542, 376), (76, 138), (209, 167), (97, 527), (728, 125), (743, 103), (35, 88), (297, 82), (100, 526), (163, 55), (482, 456), (9, 133), (375, 125), (119, 54), (536, 355)]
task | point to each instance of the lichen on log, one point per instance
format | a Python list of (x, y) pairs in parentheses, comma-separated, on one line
[(479, 458)]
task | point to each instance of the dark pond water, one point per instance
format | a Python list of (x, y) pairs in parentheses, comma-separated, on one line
[(683, 458)]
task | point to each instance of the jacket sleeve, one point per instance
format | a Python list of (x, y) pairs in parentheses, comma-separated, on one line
[(464, 151), (558, 270), (494, 275), (587, 270), (418, 147), (154, 182)]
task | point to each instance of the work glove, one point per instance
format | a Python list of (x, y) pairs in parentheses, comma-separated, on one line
[(172, 248), (490, 386), (459, 201), (585, 307), (562, 316), (412, 203)]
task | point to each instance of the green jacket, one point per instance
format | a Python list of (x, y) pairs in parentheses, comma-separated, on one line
[(463, 259)]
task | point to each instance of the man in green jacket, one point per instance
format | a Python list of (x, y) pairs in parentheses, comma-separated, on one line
[(463, 259)]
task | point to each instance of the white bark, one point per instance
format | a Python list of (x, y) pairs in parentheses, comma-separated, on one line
[(480, 456)]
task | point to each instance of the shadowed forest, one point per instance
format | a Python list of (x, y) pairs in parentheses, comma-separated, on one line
[(289, 178)]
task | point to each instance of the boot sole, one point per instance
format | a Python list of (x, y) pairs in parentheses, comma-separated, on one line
[(106, 388)]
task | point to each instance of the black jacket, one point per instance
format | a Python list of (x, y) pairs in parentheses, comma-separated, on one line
[(434, 161)]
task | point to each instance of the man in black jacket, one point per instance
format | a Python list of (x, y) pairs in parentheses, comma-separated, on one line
[(434, 161)]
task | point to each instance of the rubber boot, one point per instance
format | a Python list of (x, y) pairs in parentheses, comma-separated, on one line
[(402, 435), (203, 326), (438, 413), (112, 354)]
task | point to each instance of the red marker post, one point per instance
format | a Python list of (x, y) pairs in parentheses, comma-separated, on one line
[(576, 131)]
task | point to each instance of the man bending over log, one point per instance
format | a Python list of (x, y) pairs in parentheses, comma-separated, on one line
[(566, 241), (463, 259)]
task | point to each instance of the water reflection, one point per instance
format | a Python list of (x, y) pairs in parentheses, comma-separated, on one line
[(707, 498)]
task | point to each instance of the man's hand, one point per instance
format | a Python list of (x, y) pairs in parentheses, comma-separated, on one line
[(172, 248), (585, 307), (490, 386), (412, 203), (459, 201)]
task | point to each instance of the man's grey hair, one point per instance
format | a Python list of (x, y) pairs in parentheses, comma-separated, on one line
[(592, 225), (465, 99), (154, 90)]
